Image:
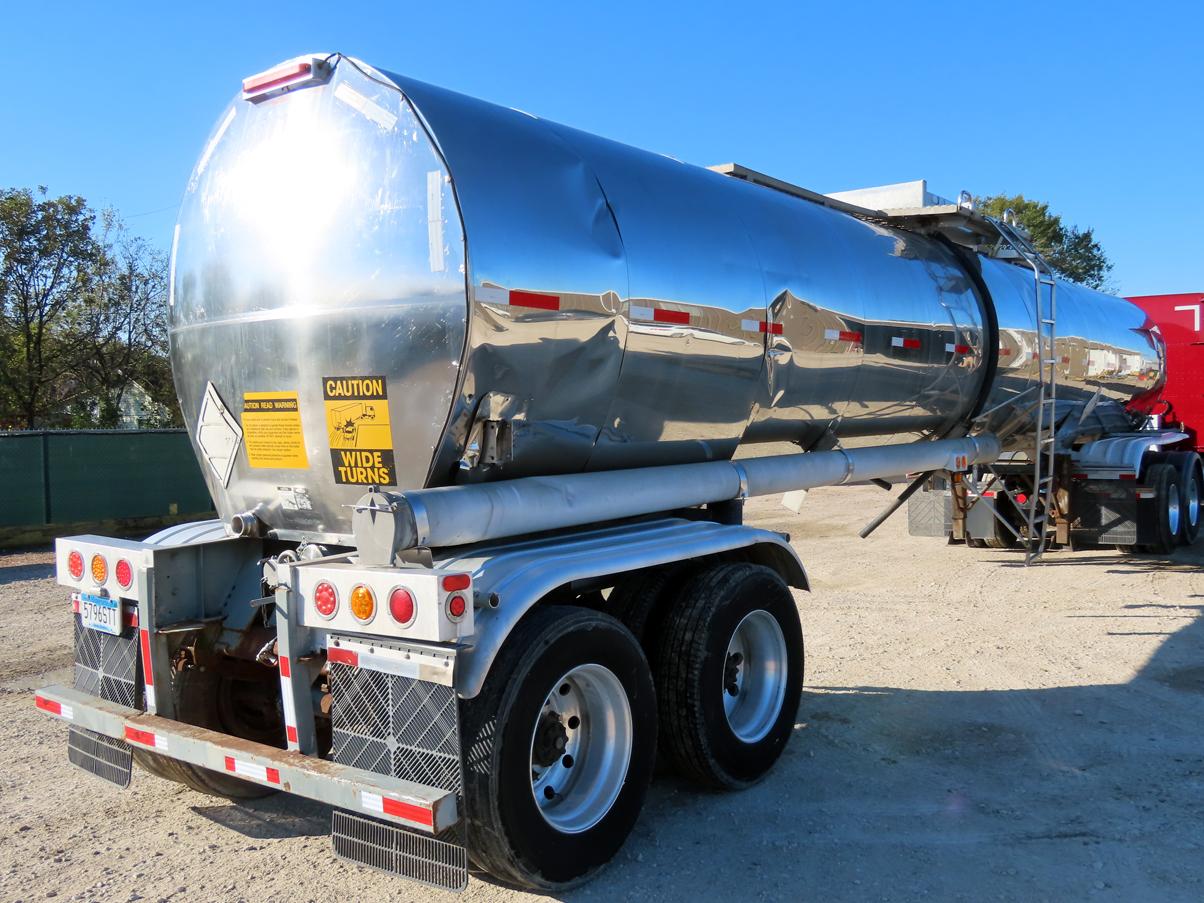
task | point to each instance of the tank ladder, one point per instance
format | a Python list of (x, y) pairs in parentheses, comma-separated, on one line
[(1039, 506)]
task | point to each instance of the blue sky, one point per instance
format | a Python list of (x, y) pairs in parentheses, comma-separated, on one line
[(1096, 107)]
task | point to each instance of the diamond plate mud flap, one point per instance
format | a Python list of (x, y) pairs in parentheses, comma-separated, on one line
[(395, 712), (103, 756)]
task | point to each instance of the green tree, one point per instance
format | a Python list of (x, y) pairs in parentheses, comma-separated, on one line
[(1073, 252), (83, 315), (48, 257)]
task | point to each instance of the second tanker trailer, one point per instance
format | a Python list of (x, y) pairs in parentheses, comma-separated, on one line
[(475, 394)]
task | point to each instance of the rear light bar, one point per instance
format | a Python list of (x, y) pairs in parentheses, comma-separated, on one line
[(285, 77)]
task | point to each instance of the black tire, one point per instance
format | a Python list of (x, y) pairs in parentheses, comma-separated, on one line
[(508, 835), (640, 601), (1164, 480), (1191, 485), (197, 695), (693, 669)]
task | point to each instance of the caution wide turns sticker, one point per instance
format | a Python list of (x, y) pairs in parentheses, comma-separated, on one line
[(357, 424), (271, 425)]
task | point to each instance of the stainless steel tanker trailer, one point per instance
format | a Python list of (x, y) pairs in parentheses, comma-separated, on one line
[(478, 398)]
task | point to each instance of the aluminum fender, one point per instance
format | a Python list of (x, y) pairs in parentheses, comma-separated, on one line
[(1124, 452), (191, 534), (518, 575)]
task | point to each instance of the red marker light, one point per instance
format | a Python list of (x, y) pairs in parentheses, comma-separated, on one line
[(326, 599), (274, 78), (456, 606), (125, 574), (455, 582), (75, 565), (401, 605)]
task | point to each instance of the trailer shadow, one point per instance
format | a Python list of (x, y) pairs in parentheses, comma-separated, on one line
[(1016, 794), (889, 793)]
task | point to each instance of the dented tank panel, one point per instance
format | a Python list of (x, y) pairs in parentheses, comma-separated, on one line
[(381, 282)]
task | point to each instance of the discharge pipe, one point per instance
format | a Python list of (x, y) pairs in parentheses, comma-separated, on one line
[(388, 523)]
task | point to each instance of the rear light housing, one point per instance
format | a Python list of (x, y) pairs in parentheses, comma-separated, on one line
[(75, 566), (100, 569), (326, 599), (124, 573), (300, 73)]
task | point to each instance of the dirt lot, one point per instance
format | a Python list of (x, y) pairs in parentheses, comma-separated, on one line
[(970, 730)]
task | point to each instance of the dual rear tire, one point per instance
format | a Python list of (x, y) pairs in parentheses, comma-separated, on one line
[(561, 743)]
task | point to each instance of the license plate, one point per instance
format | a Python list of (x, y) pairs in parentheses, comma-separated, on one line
[(99, 613)]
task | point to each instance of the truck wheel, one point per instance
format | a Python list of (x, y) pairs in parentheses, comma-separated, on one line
[(1168, 509), (559, 747), (730, 674), (204, 699), (1190, 484)]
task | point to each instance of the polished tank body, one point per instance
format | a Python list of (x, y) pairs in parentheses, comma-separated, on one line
[(380, 282)]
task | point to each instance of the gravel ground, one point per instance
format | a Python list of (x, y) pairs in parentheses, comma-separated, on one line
[(970, 730)]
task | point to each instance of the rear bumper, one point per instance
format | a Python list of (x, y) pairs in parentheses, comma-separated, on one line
[(418, 807)]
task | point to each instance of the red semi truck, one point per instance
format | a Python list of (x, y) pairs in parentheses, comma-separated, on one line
[(1179, 402)]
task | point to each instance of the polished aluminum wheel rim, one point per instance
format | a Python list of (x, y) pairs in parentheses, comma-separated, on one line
[(1193, 503), (581, 748), (1172, 512), (754, 676)]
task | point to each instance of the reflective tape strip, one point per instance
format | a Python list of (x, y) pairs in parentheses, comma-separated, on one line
[(950, 348), (54, 708), (290, 731), (842, 335), (1005, 352), (253, 771), (533, 299), (761, 326), (286, 698), (150, 697), (145, 738), (148, 674), (384, 805), (900, 342), (489, 294), (659, 315), (343, 656), (286, 670)]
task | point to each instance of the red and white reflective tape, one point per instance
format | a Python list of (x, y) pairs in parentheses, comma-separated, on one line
[(385, 805), (145, 738), (842, 335), (252, 771), (761, 326), (951, 348), (1146, 493), (148, 672), (286, 697), (1005, 352), (659, 315), (374, 658), (54, 708), (901, 342), (489, 294)]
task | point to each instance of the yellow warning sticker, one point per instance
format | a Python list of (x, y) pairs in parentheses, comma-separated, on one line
[(357, 422), (271, 426)]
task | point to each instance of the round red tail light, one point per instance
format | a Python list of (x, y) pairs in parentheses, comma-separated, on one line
[(75, 565), (401, 606), (125, 573), (456, 606), (326, 599)]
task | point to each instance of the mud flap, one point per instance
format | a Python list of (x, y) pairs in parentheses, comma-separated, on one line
[(438, 861), (102, 756), (395, 712)]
